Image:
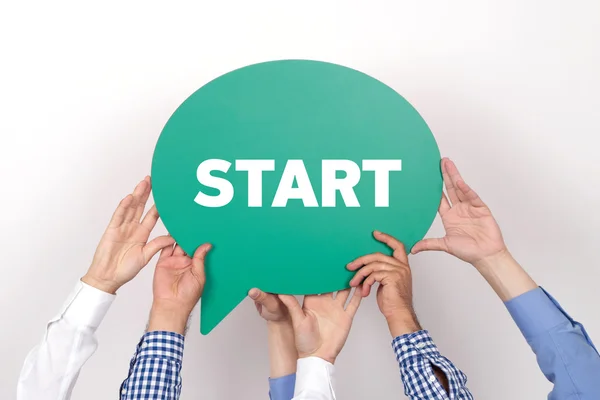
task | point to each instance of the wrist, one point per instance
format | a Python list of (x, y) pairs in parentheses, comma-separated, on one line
[(282, 348), (166, 316), (487, 264), (403, 323), (278, 326), (505, 275), (100, 284)]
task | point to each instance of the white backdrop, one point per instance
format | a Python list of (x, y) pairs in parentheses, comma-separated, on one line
[(509, 88)]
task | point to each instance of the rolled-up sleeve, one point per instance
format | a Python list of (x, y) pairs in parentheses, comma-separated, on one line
[(155, 369), (417, 355)]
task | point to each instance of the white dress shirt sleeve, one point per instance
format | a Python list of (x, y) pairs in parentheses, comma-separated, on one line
[(52, 367), (314, 379)]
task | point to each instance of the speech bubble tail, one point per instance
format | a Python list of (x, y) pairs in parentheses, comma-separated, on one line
[(215, 305)]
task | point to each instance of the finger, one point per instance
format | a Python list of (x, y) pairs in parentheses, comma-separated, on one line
[(393, 243), (149, 221), (370, 281), (455, 177), (368, 270), (366, 288), (199, 259), (268, 300), (178, 251), (370, 258), (119, 215), (293, 307), (313, 300), (137, 194), (470, 195), (166, 252), (155, 245), (342, 296), (430, 245), (143, 199), (354, 303), (448, 182), (444, 205)]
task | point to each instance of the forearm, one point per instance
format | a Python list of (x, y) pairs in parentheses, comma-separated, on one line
[(425, 371), (160, 350), (51, 369), (282, 349), (564, 351), (161, 353), (505, 275), (315, 380), (403, 325), (169, 317)]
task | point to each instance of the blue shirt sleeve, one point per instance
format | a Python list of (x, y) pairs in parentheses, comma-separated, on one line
[(282, 388), (564, 351)]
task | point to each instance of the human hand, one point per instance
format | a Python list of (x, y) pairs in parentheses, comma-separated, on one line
[(322, 324), (472, 233), (124, 248), (178, 284), (280, 333), (270, 307), (394, 294)]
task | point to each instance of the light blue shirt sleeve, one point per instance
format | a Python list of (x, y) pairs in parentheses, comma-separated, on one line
[(282, 388), (564, 351)]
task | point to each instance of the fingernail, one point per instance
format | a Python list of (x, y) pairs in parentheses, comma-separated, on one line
[(253, 294), (376, 232)]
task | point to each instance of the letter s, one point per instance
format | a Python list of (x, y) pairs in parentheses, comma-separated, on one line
[(222, 185)]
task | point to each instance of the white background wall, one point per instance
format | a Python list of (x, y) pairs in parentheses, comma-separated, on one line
[(510, 89)]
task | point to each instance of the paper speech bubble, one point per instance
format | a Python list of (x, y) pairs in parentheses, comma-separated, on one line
[(342, 154)]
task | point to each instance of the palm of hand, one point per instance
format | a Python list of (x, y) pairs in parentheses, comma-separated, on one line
[(472, 233), (325, 319), (176, 281), (123, 248)]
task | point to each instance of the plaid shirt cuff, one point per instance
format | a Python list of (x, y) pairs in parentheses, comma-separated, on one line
[(154, 371), (417, 354)]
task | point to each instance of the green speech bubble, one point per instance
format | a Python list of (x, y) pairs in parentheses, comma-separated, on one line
[(292, 110)]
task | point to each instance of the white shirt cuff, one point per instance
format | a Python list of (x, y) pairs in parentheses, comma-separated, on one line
[(314, 379), (86, 306)]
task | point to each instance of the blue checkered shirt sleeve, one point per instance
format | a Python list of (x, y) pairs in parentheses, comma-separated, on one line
[(154, 372), (417, 354)]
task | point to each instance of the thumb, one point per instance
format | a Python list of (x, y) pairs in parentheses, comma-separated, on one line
[(293, 307), (155, 245), (438, 244), (199, 259), (267, 300)]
